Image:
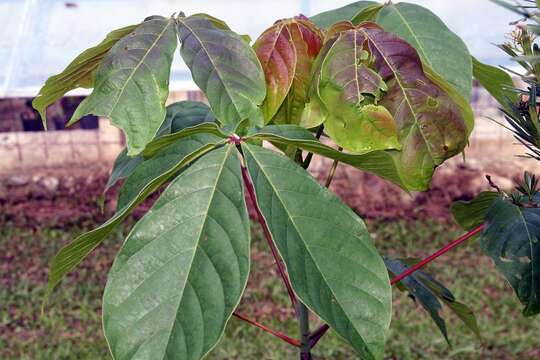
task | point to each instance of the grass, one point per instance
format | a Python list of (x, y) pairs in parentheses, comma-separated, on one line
[(71, 327)]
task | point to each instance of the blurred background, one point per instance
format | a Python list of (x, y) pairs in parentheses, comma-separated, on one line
[(51, 184)]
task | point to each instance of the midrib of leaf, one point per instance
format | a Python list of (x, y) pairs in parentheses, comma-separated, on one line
[(355, 67), (530, 247), (304, 243), (214, 65), (218, 177), (403, 90), (136, 68), (408, 26)]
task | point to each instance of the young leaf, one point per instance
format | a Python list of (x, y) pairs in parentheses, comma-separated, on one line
[(470, 214), (512, 240), (132, 83), (313, 230), (180, 115), (307, 40), (73, 253), (225, 67), (438, 47), (431, 126), (352, 12), (163, 162), (349, 89), (277, 55), (78, 74), (496, 81), (183, 268)]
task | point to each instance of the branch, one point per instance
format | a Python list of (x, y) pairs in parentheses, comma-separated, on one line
[(268, 236), (282, 336)]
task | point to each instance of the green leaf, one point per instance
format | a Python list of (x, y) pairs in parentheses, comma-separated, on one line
[(159, 143), (180, 115), (225, 67), (132, 83), (432, 127), (381, 163), (78, 74), (163, 162), (512, 239), (123, 166), (307, 41), (438, 47), (420, 292), (184, 114), (348, 89), (72, 254), (496, 81), (183, 268), (314, 231), (429, 293), (470, 214), (349, 12)]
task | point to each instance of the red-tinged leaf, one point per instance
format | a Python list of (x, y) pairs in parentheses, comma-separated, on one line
[(277, 55), (431, 126), (287, 67), (307, 41), (350, 90)]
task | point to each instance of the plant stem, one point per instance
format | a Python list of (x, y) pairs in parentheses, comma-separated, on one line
[(318, 334), (282, 336), (437, 253), (305, 343), (268, 236), (309, 156)]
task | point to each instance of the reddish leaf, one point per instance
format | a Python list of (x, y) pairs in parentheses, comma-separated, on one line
[(287, 66), (277, 55)]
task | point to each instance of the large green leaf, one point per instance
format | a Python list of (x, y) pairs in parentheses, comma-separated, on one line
[(180, 115), (162, 163), (470, 214), (438, 47), (72, 254), (183, 268), (429, 292), (330, 258), (78, 74), (381, 163), (224, 66), (348, 89), (496, 81), (132, 82), (349, 12), (512, 239)]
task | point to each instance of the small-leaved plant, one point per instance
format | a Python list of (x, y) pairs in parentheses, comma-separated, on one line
[(382, 88)]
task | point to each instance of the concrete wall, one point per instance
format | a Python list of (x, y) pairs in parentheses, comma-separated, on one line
[(22, 151), (25, 151)]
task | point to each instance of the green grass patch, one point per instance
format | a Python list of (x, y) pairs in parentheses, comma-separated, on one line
[(71, 326)]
